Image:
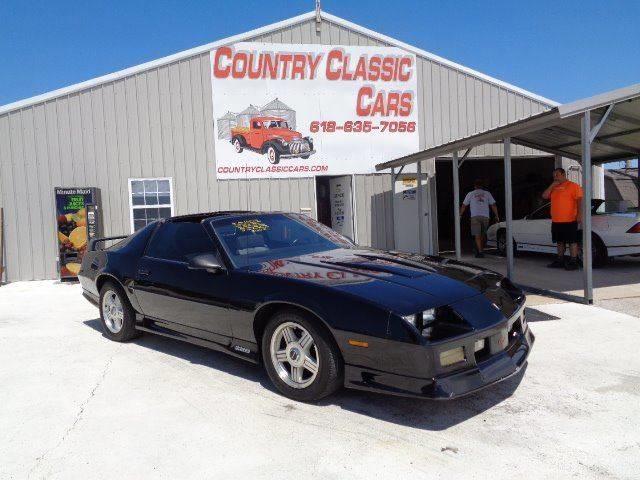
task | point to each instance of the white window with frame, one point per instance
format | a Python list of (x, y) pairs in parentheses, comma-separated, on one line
[(150, 199)]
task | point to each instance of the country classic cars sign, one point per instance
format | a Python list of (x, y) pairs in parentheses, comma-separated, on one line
[(303, 110)]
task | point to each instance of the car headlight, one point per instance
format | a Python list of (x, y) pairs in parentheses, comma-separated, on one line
[(438, 323), (422, 321), (412, 319)]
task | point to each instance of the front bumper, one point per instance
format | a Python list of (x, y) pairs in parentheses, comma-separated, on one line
[(291, 155), (487, 371)]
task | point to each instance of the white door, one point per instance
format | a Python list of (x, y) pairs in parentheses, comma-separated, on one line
[(535, 230), (341, 205), (406, 215)]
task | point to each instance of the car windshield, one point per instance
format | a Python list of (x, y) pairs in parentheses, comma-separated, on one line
[(277, 124), (254, 239), (615, 206)]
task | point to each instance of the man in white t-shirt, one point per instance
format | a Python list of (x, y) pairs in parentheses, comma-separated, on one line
[(480, 200)]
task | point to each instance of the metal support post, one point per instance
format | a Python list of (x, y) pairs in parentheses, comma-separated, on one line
[(456, 205), (508, 206), (638, 180), (393, 213), (1, 244), (464, 156), (420, 212), (587, 187), (393, 180)]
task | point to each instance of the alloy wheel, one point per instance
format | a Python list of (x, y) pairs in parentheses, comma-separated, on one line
[(112, 311), (294, 355)]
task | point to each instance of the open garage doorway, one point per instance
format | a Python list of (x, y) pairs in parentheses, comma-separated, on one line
[(334, 203), (530, 177)]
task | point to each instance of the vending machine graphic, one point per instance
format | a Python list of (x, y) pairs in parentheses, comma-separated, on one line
[(77, 223)]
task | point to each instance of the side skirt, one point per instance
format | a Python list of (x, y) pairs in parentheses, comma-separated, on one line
[(237, 348), (91, 298)]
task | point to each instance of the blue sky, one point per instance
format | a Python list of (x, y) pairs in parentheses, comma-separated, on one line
[(563, 50)]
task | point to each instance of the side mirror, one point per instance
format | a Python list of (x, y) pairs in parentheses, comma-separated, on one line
[(208, 262)]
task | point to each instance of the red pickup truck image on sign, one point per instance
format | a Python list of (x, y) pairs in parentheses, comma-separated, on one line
[(272, 136)]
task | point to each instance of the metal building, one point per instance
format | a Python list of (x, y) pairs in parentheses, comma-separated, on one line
[(155, 121)]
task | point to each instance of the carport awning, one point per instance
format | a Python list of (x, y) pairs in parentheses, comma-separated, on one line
[(558, 131)]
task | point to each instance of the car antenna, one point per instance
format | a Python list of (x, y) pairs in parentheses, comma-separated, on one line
[(318, 17)]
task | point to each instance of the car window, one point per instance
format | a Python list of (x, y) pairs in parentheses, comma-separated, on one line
[(256, 125), (543, 213), (254, 239), (180, 241), (137, 240)]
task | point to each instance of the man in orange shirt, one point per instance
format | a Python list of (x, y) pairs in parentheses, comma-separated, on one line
[(566, 213)]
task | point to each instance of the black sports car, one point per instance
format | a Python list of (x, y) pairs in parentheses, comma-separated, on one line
[(316, 310)]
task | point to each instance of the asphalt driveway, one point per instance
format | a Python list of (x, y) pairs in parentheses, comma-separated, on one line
[(75, 405)]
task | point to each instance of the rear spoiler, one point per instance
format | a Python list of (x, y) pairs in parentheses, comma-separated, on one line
[(95, 241)]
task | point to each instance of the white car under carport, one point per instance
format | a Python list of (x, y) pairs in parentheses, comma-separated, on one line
[(613, 234)]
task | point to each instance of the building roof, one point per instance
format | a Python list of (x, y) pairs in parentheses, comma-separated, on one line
[(261, 31), (276, 104), (228, 116), (559, 130), (250, 110)]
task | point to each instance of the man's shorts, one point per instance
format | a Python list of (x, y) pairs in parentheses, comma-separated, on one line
[(564, 232), (479, 225)]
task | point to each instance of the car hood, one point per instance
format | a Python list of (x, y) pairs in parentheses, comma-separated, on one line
[(401, 282), (285, 133)]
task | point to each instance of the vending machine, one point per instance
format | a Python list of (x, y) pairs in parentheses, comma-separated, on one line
[(77, 223)]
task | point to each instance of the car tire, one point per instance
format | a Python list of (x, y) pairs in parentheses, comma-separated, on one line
[(116, 314), (501, 242), (237, 144), (284, 352), (272, 155), (598, 249), (305, 157)]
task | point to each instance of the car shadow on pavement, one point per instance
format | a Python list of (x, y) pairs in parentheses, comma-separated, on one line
[(535, 315), (197, 355), (434, 415), (409, 412)]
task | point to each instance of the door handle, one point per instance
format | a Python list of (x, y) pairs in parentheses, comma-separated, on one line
[(144, 272)]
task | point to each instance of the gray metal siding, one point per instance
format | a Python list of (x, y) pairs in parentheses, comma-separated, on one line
[(159, 123), (155, 124), (374, 219)]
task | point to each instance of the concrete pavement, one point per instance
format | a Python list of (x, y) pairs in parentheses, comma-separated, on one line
[(75, 405)]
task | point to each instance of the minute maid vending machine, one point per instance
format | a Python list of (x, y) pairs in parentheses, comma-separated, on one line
[(77, 223)]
